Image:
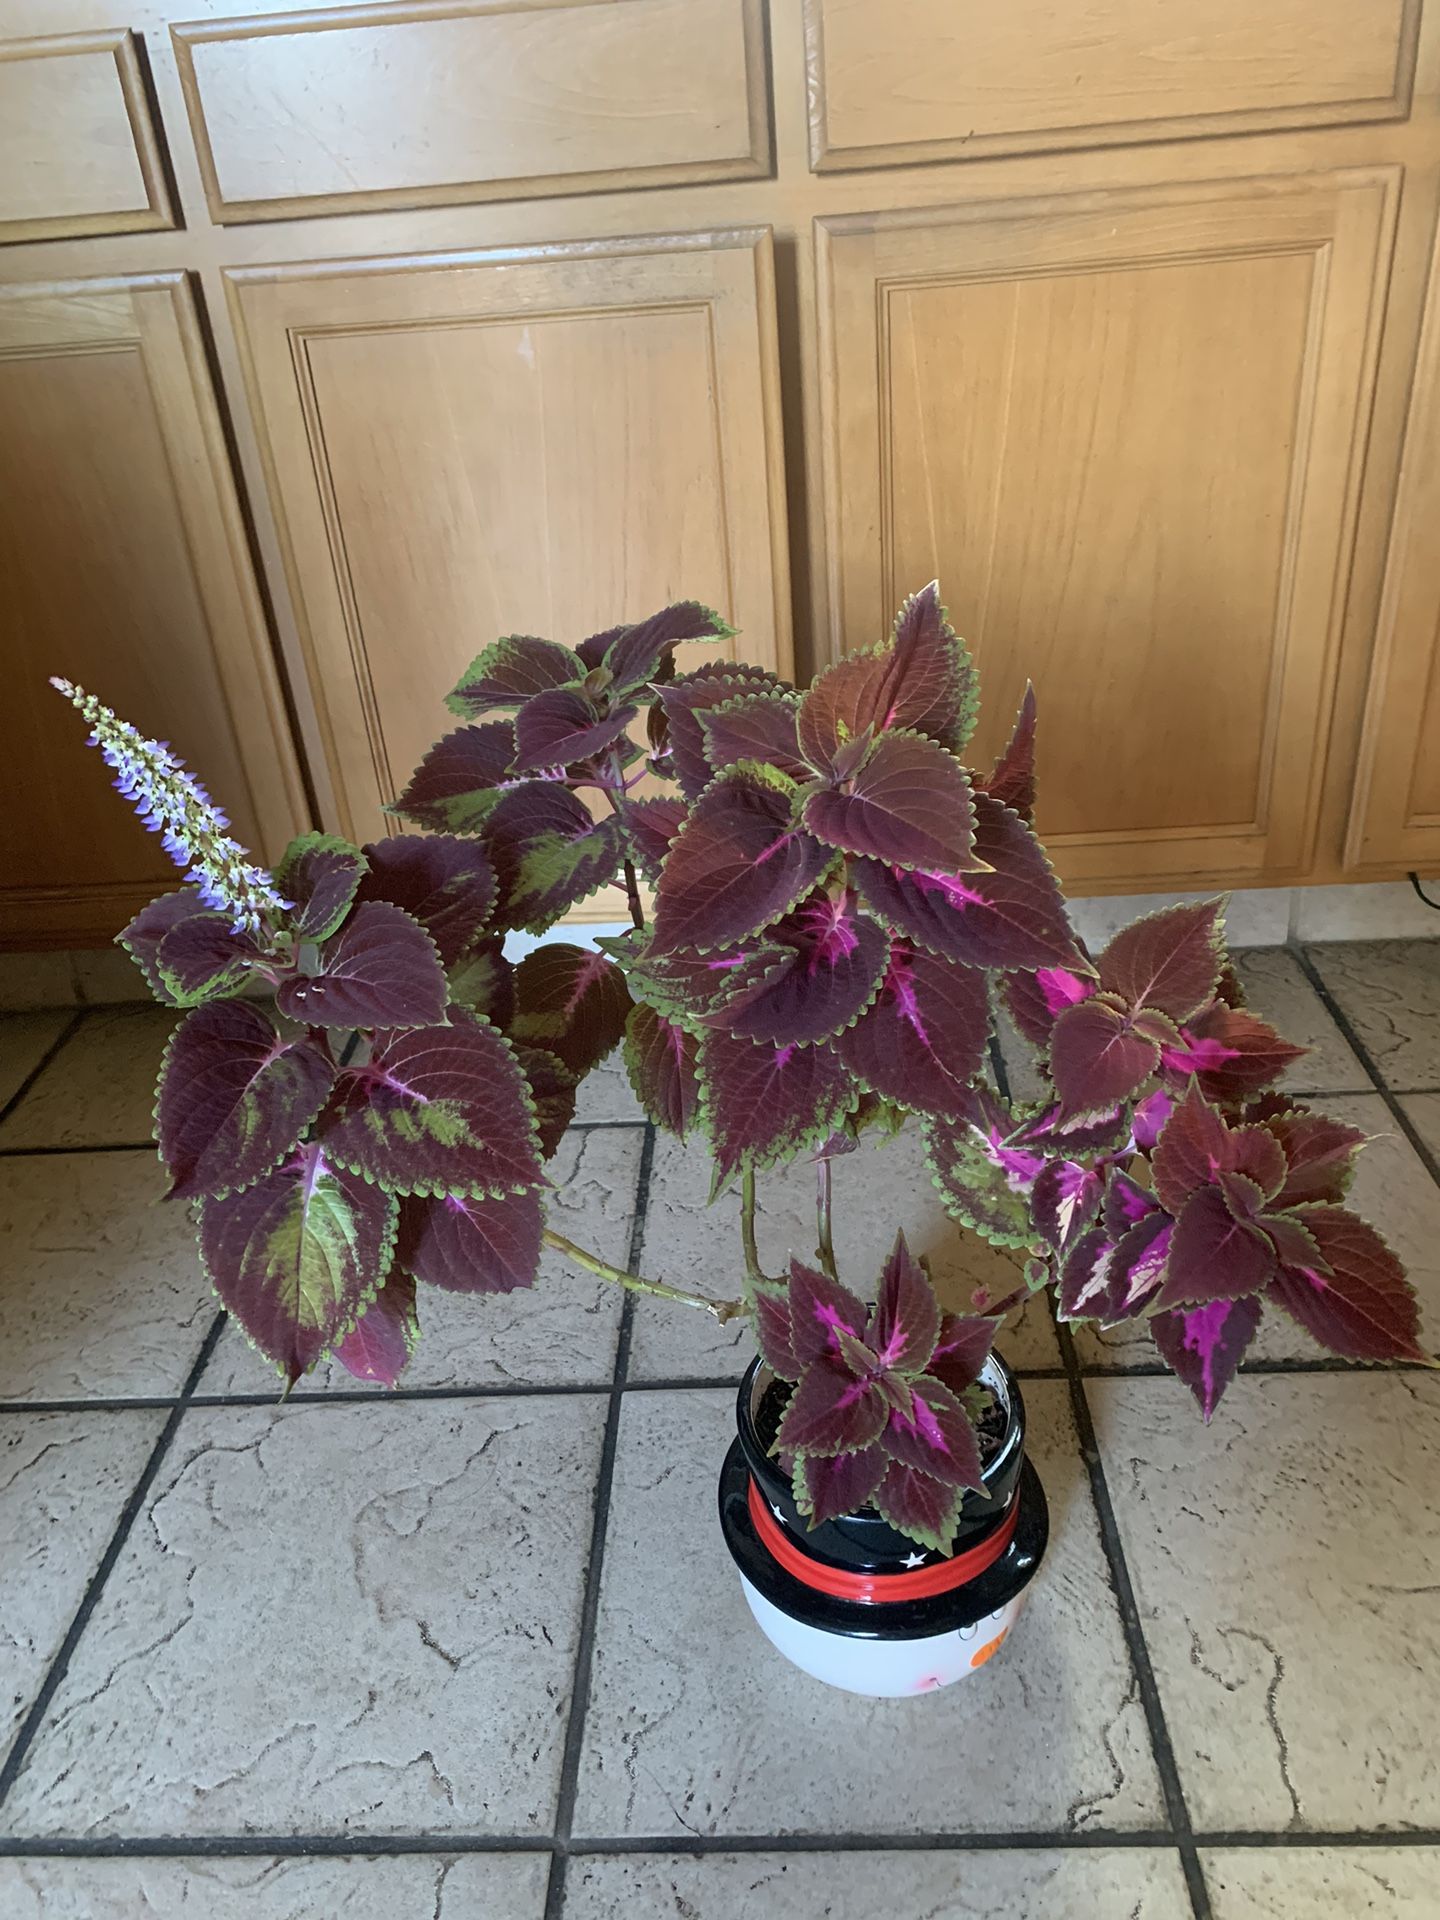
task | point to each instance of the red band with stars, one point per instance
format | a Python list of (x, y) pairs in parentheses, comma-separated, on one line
[(876, 1588)]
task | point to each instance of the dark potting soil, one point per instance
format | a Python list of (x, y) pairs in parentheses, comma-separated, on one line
[(990, 1427)]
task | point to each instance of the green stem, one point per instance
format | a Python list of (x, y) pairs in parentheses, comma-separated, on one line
[(723, 1310), (754, 1271), (825, 1251)]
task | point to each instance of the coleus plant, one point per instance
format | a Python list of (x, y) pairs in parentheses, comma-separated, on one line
[(839, 905)]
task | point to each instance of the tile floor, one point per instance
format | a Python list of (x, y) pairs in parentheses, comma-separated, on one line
[(475, 1649)]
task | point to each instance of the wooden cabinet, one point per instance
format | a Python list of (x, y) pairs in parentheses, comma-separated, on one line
[(1396, 815), (545, 440), (123, 565), (1126, 433)]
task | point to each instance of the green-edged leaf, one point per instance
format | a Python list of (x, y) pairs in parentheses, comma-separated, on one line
[(297, 1257), (660, 1059), (444, 1110), (571, 1001), (975, 1191), (1361, 1306), (318, 874), (563, 725), (204, 958), (447, 885), (235, 1096), (1012, 779), (458, 782), (378, 1347), (754, 726), (686, 699), (484, 983), (650, 826), (141, 938), (909, 805), (381, 970), (638, 653), (465, 1244), (553, 1088), (762, 1104), (511, 671), (918, 1505), (548, 852), (1170, 960)]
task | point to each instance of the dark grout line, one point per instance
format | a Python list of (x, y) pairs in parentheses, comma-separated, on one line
[(42, 1063), (31, 1724), (95, 1146), (362, 1846), (595, 1566), (1165, 1764), (1362, 1053)]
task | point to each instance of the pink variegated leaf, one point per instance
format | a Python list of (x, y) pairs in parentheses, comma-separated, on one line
[(1137, 1266), (379, 1345), (464, 1243), (1012, 779), (563, 725), (1149, 1118), (1169, 960), (1097, 1058), (235, 1097), (1205, 1345), (459, 780), (571, 1001), (831, 1411), (695, 988), (924, 1038), (905, 1324), (737, 864), (963, 1346), (686, 699), (650, 826), (1213, 1256), (764, 1104), (447, 884), (820, 1310), (637, 654), (660, 1058), (1011, 916), (927, 1510), (1083, 1291), (318, 874), (511, 671), (1231, 1053), (937, 1438), (983, 1184), (834, 959), (1362, 1308), (1036, 999), (754, 726), (909, 805), (380, 970), (1126, 1201), (1319, 1156), (828, 1487), (1064, 1201)]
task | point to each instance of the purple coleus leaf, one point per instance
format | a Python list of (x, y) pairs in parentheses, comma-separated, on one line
[(296, 1257), (754, 726), (769, 1303), (905, 1323), (961, 1349), (650, 826), (695, 988), (142, 937), (511, 671), (1205, 1345), (1193, 1147), (382, 1340), (935, 1437), (984, 1182), (562, 725), (831, 961), (764, 1103), (660, 1058), (924, 1038), (738, 863), (318, 874), (1012, 779), (203, 957), (470, 1244), (1036, 1000), (548, 852), (1361, 1306), (553, 1089), (919, 1505), (1011, 916), (380, 970), (828, 1486), (821, 1309), (831, 1411), (686, 699), (445, 1110), (637, 653), (235, 1097), (1064, 1201), (1097, 1058), (460, 779), (571, 1001), (909, 805), (1214, 1256), (1170, 960), (1319, 1156), (484, 983), (1231, 1053), (920, 681), (447, 884)]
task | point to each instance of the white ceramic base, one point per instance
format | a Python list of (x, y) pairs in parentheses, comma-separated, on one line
[(884, 1668)]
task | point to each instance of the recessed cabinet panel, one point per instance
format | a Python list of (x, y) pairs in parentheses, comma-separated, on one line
[(541, 442), (924, 80), (123, 566), (1127, 439)]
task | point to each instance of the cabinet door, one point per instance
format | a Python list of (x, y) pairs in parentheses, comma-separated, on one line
[(124, 566), (1125, 430), (545, 441), (1395, 821)]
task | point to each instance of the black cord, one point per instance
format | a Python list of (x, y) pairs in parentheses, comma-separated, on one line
[(1415, 883)]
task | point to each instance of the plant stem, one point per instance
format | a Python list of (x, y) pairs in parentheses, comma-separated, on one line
[(632, 894), (825, 1251), (723, 1310), (615, 791), (754, 1271)]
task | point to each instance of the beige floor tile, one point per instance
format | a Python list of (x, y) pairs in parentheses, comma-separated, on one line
[(1389, 990), (99, 1090), (109, 977), (24, 1040), (1139, 1884), (1276, 989), (698, 1725), (877, 1190), (357, 1620), (64, 1479), (1286, 1561), (1323, 1883), (561, 1331), (1423, 1110), (37, 980), (101, 1290), (606, 1094), (473, 1887)]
